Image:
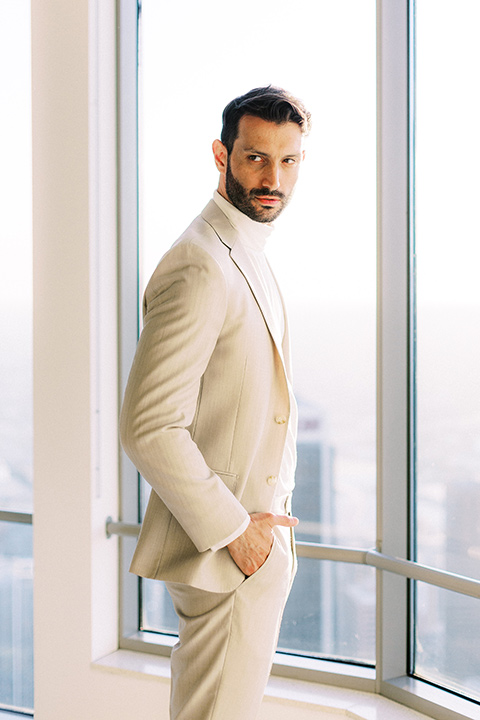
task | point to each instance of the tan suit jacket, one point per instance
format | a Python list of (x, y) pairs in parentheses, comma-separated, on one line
[(206, 407)]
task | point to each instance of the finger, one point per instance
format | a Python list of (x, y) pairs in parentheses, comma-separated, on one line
[(284, 520)]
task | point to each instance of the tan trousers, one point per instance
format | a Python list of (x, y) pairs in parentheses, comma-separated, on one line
[(227, 641)]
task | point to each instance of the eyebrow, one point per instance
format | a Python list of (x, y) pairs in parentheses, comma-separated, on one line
[(254, 151)]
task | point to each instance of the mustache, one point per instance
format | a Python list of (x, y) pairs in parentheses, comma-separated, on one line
[(261, 192)]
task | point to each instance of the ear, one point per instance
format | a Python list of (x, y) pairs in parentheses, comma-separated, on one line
[(221, 155)]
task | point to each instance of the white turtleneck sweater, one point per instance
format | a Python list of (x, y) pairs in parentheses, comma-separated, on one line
[(253, 236)]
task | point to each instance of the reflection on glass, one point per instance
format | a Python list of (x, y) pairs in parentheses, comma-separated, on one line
[(336, 617), (16, 616), (158, 614), (323, 248), (448, 339), (447, 639)]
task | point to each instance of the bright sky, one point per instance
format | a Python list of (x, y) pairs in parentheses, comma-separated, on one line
[(324, 247), (15, 153), (448, 151)]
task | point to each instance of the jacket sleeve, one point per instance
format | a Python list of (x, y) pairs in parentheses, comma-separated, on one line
[(184, 311)]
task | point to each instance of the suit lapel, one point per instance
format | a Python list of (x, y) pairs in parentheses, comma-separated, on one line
[(286, 335), (228, 235), (248, 270)]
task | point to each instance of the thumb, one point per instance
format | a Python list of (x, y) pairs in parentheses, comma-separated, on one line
[(284, 520)]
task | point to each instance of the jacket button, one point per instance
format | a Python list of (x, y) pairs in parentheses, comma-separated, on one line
[(272, 480), (280, 419)]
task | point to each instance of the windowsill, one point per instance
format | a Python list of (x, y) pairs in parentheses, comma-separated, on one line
[(296, 667), (338, 701), (453, 706)]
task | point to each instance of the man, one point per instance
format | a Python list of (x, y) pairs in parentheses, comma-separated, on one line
[(209, 420)]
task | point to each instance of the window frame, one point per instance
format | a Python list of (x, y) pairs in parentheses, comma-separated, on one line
[(393, 557)]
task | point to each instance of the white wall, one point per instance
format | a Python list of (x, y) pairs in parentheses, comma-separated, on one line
[(75, 403)]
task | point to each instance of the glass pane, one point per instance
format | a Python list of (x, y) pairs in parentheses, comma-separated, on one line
[(15, 260), (158, 614), (448, 322), (16, 394), (447, 639), (448, 290), (323, 251), (16, 616), (336, 617)]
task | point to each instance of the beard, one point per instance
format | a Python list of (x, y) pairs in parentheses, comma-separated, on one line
[(243, 199)]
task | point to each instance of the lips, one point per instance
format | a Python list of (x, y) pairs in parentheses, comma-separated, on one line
[(268, 200)]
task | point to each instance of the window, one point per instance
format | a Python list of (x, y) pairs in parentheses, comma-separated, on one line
[(390, 598), (16, 401), (447, 531), (323, 252)]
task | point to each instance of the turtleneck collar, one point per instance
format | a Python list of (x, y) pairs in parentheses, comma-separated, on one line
[(252, 234)]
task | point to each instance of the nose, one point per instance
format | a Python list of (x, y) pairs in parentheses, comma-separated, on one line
[(271, 177)]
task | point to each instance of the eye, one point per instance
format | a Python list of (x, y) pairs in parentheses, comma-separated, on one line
[(290, 161), (255, 158)]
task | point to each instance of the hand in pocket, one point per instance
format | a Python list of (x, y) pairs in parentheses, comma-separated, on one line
[(250, 550)]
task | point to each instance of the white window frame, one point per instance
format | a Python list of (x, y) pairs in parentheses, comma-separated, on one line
[(392, 556)]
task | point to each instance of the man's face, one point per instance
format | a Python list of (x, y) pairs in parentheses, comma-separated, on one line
[(260, 173)]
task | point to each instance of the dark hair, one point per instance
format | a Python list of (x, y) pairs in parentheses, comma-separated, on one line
[(268, 103)]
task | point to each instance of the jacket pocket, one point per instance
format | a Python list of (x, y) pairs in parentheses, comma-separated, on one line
[(263, 569), (229, 479)]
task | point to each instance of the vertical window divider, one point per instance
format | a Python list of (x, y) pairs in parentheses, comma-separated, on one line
[(412, 318), (127, 100), (393, 334)]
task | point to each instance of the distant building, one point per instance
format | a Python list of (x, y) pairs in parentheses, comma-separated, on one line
[(310, 616), (16, 630), (16, 595), (331, 610), (461, 617)]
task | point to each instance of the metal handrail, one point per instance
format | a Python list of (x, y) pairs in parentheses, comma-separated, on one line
[(16, 517), (371, 557), (423, 573), (122, 528)]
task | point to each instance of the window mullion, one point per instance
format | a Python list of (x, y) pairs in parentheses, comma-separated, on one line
[(127, 58), (393, 332)]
